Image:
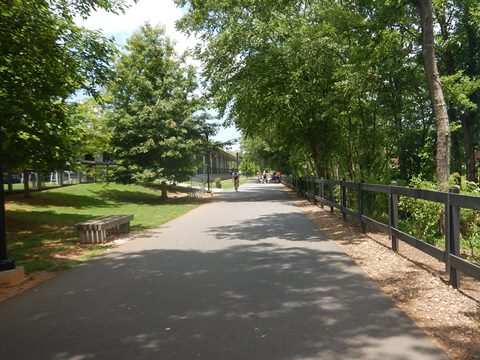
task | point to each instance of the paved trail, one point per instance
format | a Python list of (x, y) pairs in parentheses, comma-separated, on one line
[(246, 277)]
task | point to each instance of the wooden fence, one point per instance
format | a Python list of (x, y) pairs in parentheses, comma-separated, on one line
[(322, 191)]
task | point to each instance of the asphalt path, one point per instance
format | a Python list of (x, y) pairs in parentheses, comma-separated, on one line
[(245, 277)]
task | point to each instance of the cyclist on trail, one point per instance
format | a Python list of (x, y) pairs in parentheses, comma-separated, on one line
[(236, 179)]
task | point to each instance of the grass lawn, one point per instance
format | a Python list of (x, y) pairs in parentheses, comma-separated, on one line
[(40, 229), (228, 184)]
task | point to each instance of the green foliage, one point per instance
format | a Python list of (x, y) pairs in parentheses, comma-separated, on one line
[(459, 89), (470, 221), (423, 219), (155, 134), (218, 183), (93, 131), (470, 233), (248, 168), (312, 96), (46, 58), (42, 228)]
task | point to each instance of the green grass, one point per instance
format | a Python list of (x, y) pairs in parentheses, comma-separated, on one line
[(40, 229), (18, 188), (228, 184)]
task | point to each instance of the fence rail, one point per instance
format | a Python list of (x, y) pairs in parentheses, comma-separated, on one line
[(322, 191)]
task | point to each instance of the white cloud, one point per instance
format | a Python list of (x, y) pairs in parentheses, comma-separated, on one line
[(156, 12), (163, 12)]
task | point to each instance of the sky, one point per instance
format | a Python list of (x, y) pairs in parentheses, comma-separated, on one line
[(155, 12)]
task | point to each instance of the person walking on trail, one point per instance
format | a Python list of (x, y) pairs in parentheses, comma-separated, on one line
[(236, 179)]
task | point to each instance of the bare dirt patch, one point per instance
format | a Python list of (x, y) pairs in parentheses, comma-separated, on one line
[(416, 282)]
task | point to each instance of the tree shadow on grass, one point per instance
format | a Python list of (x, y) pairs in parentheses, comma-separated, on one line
[(254, 302), (106, 198), (61, 200), (27, 222), (37, 241), (138, 197)]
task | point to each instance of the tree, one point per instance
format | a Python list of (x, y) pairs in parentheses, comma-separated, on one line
[(155, 135), (459, 60), (341, 83), (442, 156), (46, 58)]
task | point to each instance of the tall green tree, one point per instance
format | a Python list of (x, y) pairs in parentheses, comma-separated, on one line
[(459, 60), (439, 106), (341, 82), (44, 59), (156, 134)]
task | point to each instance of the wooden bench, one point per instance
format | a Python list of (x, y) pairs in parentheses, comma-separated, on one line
[(95, 231)]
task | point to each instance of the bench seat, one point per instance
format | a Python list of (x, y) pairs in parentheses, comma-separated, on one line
[(95, 231)]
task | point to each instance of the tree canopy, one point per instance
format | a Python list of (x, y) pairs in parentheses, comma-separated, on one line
[(45, 58), (155, 133), (341, 85)]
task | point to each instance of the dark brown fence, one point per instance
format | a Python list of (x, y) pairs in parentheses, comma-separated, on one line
[(333, 193)]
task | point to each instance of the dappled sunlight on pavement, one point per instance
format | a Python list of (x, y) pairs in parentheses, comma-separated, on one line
[(244, 277)]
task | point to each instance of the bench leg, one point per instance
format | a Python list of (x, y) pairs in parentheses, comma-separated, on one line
[(83, 237), (93, 237), (100, 237), (124, 227)]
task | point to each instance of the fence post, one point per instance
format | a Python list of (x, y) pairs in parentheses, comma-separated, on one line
[(311, 189), (321, 192), (361, 206), (343, 199), (454, 238), (393, 216), (330, 181), (308, 189)]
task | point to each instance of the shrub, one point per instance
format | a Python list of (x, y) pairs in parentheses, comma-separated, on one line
[(218, 183), (422, 218), (425, 219), (470, 223)]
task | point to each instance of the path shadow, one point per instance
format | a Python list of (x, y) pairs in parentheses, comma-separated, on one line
[(283, 226), (254, 192), (249, 302)]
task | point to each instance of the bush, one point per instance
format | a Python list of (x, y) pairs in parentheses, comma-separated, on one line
[(425, 219), (218, 183), (470, 222), (248, 168), (422, 218)]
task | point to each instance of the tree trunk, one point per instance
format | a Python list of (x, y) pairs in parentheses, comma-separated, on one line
[(39, 177), (9, 182), (436, 94), (448, 59), (164, 190), (26, 184)]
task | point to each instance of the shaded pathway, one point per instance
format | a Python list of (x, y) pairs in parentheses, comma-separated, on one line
[(246, 277)]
